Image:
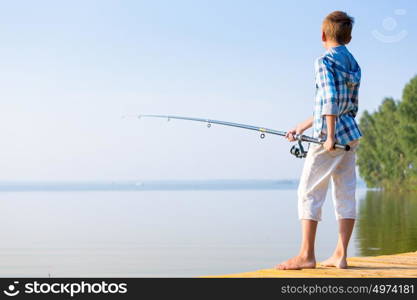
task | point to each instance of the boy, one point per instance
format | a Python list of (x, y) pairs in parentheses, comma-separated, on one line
[(336, 104)]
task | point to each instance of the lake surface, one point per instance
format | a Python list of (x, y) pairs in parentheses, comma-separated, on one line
[(162, 229)]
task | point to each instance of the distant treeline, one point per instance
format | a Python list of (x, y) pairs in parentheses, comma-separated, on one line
[(387, 156)]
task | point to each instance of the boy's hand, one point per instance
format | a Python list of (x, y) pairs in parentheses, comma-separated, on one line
[(329, 144), (291, 133)]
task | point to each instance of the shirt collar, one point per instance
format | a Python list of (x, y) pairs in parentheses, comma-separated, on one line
[(340, 48)]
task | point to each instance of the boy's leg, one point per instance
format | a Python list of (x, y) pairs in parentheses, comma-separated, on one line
[(314, 180), (306, 258), (344, 187), (338, 259)]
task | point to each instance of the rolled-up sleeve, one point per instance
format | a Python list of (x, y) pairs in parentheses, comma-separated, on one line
[(326, 85)]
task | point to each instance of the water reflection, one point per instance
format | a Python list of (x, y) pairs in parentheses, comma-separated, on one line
[(387, 223)]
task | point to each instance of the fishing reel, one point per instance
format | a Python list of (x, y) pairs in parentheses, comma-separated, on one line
[(298, 150)]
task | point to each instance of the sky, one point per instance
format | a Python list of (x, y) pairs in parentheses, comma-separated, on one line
[(70, 69)]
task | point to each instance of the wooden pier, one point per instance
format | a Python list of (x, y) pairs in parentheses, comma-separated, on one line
[(384, 266)]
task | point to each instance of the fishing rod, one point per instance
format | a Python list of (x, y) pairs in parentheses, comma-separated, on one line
[(296, 150)]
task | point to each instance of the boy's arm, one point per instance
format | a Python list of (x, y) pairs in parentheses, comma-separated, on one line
[(331, 140), (330, 108), (303, 126), (299, 129)]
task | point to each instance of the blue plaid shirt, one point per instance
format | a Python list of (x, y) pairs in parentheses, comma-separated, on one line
[(338, 78)]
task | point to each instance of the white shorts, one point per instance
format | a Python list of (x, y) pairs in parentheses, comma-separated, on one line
[(320, 167)]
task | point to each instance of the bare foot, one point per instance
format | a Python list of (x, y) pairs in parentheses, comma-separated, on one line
[(297, 263), (335, 261)]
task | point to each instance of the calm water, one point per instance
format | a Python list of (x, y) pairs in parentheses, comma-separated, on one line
[(194, 230)]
